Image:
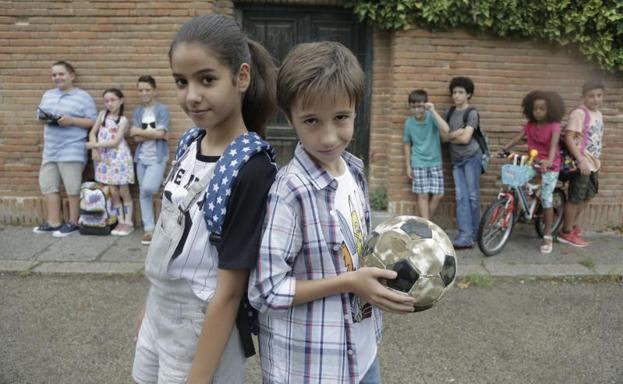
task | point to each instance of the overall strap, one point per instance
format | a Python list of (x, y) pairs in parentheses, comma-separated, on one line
[(194, 192), (182, 149), (237, 153)]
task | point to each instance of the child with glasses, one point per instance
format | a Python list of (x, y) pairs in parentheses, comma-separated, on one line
[(150, 128)]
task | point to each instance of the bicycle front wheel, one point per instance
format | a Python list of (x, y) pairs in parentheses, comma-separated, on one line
[(496, 226)]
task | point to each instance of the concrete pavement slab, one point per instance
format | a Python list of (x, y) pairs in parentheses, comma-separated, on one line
[(609, 269), (126, 249), (21, 250), (93, 267), (502, 269), (77, 248), (20, 243), (468, 270), (16, 265)]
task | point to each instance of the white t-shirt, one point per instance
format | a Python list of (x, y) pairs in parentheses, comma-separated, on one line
[(148, 151), (349, 204), (198, 260), (594, 136)]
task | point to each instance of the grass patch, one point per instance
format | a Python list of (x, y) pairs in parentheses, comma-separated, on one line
[(617, 228), (475, 280), (588, 263), (25, 273)]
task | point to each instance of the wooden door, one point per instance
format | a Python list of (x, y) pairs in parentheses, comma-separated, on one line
[(280, 28)]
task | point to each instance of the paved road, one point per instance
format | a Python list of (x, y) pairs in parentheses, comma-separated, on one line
[(77, 329)]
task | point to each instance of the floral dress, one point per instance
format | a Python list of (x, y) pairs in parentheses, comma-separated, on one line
[(115, 165)]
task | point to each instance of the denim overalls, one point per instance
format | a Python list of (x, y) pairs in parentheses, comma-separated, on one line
[(174, 314)]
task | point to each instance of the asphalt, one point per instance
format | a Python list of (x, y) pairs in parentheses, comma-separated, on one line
[(22, 251)]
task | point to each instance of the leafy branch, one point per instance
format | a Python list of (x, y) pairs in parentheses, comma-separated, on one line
[(595, 26)]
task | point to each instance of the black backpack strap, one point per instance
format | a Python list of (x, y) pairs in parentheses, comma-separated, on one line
[(215, 206), (449, 113), (235, 156), (466, 117)]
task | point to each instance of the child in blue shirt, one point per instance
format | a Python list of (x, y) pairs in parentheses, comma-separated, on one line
[(422, 150)]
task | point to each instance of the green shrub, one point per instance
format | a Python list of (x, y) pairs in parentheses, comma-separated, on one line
[(378, 199), (595, 26)]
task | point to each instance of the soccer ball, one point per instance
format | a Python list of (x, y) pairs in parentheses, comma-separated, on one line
[(419, 251)]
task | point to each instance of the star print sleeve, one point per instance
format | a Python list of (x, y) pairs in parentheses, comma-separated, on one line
[(242, 227)]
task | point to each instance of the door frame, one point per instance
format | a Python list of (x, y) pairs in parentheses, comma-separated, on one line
[(365, 55)]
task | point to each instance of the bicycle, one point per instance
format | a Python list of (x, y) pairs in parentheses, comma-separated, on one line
[(517, 201)]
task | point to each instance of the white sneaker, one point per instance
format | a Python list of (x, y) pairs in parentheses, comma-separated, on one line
[(122, 230)]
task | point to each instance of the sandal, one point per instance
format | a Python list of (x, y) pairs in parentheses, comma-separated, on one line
[(547, 245)]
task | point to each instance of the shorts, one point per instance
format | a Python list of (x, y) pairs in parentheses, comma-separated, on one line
[(583, 187), (168, 338), (428, 180), (69, 172)]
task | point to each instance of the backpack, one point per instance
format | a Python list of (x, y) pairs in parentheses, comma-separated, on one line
[(568, 163), (96, 213), (480, 137), (237, 153)]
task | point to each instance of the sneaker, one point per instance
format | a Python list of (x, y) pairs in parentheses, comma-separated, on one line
[(461, 242), (572, 238), (577, 230), (146, 238), (66, 230), (45, 228), (122, 230)]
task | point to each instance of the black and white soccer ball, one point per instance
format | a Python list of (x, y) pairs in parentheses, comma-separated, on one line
[(419, 251)]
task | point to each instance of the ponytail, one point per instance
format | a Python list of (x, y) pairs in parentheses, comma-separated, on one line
[(260, 100)]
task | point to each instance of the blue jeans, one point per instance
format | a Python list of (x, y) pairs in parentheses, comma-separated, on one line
[(373, 376), (150, 176), (466, 173)]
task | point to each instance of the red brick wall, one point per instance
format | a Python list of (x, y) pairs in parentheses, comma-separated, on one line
[(112, 43), (503, 70)]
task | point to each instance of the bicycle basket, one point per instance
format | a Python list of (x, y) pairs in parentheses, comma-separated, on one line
[(516, 175)]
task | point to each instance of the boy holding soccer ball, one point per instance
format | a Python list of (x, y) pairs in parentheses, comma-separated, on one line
[(315, 321)]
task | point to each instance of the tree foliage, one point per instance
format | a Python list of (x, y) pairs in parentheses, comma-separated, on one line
[(595, 26)]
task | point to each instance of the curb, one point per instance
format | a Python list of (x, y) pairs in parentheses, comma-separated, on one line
[(98, 268), (489, 269)]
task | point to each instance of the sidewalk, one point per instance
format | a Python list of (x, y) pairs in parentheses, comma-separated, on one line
[(22, 251)]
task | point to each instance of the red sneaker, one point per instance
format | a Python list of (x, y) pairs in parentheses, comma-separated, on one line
[(577, 230), (572, 238)]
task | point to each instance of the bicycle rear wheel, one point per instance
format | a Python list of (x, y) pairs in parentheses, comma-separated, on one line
[(559, 200), (495, 227)]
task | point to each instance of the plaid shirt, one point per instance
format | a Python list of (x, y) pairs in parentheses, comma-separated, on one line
[(312, 342)]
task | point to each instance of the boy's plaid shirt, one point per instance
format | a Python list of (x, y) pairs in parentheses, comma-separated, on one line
[(308, 343)]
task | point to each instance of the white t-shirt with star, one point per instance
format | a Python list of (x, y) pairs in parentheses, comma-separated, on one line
[(197, 259)]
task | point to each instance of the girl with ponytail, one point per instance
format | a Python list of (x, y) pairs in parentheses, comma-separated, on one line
[(193, 328)]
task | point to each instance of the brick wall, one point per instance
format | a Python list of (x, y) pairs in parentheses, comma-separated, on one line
[(112, 43), (503, 70)]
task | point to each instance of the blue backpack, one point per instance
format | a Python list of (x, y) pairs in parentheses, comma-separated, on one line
[(235, 156)]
